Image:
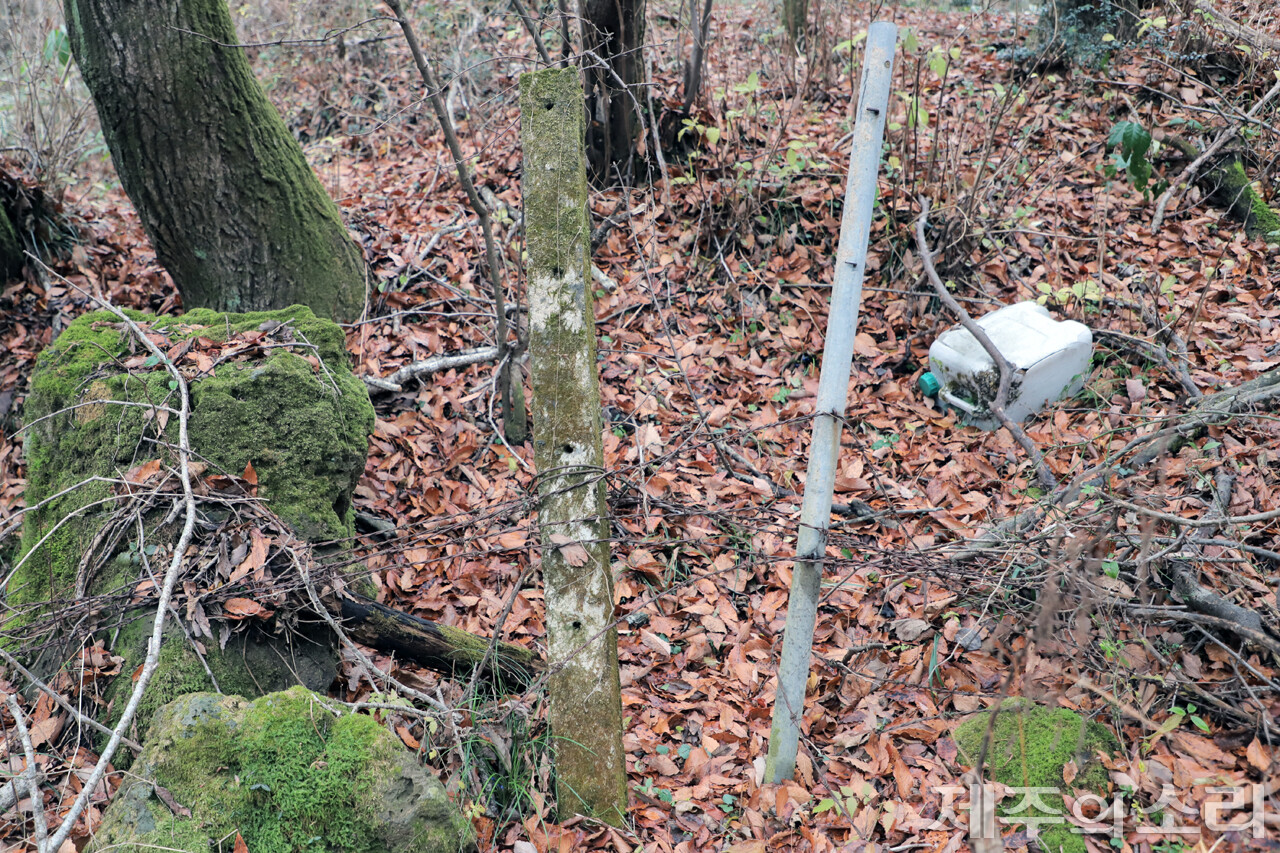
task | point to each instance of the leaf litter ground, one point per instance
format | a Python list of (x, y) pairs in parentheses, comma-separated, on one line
[(711, 326)]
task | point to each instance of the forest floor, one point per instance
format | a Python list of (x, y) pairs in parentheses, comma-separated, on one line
[(710, 335)]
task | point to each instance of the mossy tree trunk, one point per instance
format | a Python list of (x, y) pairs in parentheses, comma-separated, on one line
[(232, 208), (582, 643), (613, 60)]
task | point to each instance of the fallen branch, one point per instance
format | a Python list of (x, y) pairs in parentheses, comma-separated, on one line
[(439, 648), (1235, 30), (1214, 521), (1204, 600), (14, 790), (1212, 410), (370, 670), (1260, 637), (394, 383), (29, 773)]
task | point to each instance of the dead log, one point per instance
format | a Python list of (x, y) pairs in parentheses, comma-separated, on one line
[(439, 648), (1225, 182)]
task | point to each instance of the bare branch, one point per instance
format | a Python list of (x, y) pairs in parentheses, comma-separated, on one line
[(395, 382), (29, 774), (1189, 173)]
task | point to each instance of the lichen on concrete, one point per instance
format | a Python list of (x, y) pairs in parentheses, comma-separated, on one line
[(585, 709), (288, 772), (1030, 746)]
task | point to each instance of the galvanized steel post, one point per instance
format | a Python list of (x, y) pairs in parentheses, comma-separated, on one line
[(833, 391)]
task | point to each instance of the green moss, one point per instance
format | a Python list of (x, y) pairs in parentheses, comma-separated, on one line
[(1229, 187), (285, 773), (1236, 191), (178, 673), (304, 430), (1029, 748)]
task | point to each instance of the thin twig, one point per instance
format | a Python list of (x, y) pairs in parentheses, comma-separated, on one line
[(62, 703), (1179, 184), (395, 382), (304, 572), (533, 32), (473, 196), (33, 784), (1213, 521)]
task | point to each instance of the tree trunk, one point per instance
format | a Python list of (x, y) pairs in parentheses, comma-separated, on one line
[(612, 42), (582, 642), (233, 210), (795, 16), (693, 69)]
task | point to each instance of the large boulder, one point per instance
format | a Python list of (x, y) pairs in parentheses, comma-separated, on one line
[(273, 400), (289, 771)]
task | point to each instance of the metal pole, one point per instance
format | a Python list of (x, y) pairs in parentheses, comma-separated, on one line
[(833, 392)]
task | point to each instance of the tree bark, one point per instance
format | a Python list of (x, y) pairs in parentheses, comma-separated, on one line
[(795, 17), (439, 648), (233, 210), (582, 642), (613, 59), (693, 69)]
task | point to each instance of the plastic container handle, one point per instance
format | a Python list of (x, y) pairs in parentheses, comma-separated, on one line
[(963, 405)]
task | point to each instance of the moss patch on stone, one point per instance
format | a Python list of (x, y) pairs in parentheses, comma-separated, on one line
[(287, 774), (1030, 745), (250, 665), (305, 430)]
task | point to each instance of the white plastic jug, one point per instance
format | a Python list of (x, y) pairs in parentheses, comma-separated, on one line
[(1050, 360)]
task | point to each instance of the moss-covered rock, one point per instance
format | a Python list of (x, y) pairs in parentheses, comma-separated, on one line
[(254, 662), (282, 399), (1030, 746), (304, 427), (288, 772)]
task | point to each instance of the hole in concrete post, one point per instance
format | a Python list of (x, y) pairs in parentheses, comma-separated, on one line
[(568, 448)]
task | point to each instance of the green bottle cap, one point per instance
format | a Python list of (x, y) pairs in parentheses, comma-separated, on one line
[(929, 384)]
